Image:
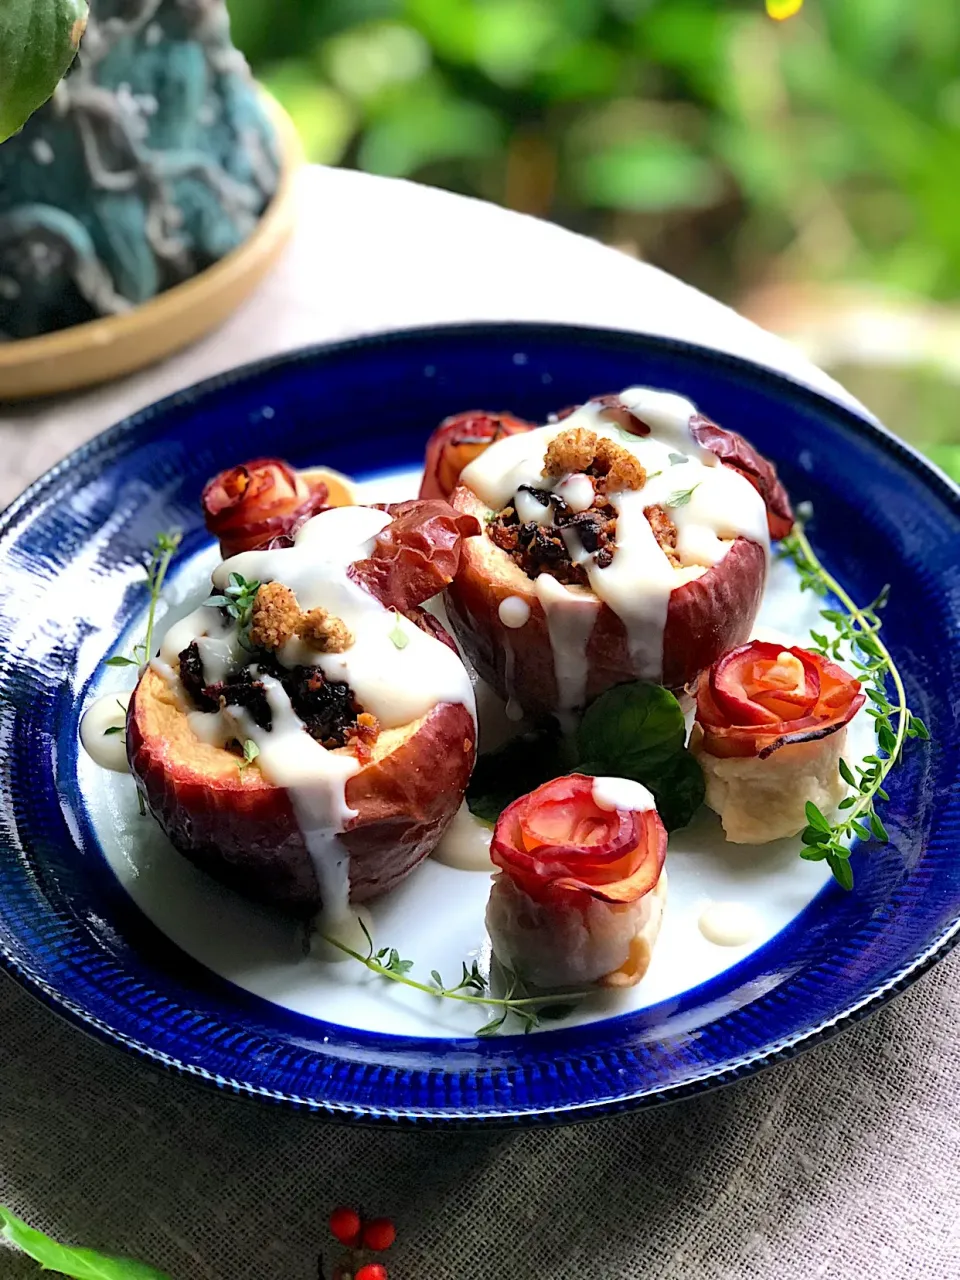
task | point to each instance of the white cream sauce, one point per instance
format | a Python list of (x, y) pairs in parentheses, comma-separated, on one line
[(397, 684), (729, 924), (514, 612), (623, 794), (716, 506), (108, 749), (465, 844)]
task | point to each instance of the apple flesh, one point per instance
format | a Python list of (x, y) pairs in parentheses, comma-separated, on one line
[(241, 828), (706, 617)]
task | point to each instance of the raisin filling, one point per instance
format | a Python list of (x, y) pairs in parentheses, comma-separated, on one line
[(538, 548), (328, 708)]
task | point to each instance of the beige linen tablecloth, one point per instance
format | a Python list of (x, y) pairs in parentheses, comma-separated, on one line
[(845, 1163)]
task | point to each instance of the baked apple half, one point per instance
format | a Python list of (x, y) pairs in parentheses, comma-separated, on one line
[(628, 540), (307, 734)]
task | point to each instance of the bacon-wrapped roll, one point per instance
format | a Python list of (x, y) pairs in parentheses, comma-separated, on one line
[(770, 728), (252, 504), (581, 887)]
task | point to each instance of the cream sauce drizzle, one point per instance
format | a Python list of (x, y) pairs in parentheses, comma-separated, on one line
[(466, 843), (719, 505), (623, 794), (397, 685), (109, 750), (729, 924), (514, 612)]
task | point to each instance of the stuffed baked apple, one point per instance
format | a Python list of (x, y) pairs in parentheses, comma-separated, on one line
[(627, 541), (307, 734)]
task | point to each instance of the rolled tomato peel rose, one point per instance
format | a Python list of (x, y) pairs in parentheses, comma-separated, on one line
[(770, 729), (248, 506), (581, 886), (457, 442)]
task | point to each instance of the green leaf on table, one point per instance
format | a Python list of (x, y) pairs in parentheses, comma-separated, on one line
[(631, 731), (79, 1264), (38, 42)]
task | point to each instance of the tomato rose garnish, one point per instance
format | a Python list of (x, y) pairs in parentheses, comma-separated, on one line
[(558, 840), (250, 505), (455, 444), (738, 454), (417, 555), (761, 696)]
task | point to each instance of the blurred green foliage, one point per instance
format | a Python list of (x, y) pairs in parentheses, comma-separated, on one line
[(710, 139)]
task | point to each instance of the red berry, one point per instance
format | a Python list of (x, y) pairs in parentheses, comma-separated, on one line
[(345, 1226), (372, 1271), (379, 1234)]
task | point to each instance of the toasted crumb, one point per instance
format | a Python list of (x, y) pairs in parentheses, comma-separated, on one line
[(323, 632), (665, 532), (275, 615), (364, 736), (570, 451), (579, 450), (618, 467)]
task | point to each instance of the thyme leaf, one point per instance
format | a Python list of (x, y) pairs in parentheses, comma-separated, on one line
[(682, 496), (473, 987)]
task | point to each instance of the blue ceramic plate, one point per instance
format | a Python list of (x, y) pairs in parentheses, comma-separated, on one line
[(70, 553)]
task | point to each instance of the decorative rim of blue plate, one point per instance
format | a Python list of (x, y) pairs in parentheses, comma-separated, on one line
[(206, 1029)]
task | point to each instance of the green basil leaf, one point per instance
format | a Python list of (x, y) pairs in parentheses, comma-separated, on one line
[(678, 790), (522, 765), (631, 731), (80, 1264), (38, 41)]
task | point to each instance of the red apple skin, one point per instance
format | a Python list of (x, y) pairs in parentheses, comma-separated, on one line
[(241, 828), (705, 618)]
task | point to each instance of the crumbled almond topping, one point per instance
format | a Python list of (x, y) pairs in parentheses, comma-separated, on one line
[(579, 450), (665, 532), (324, 632), (570, 451), (618, 467), (275, 616)]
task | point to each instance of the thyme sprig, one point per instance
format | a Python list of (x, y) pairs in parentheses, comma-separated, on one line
[(161, 553), (473, 988), (856, 640), (237, 598)]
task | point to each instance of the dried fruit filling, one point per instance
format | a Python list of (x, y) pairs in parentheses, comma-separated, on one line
[(328, 708), (541, 548)]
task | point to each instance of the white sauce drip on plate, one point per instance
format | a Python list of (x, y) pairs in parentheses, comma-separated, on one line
[(109, 750), (466, 843), (716, 505), (396, 684), (729, 924)]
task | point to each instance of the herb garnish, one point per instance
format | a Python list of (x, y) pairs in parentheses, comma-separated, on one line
[(66, 1260), (237, 598), (161, 553), (397, 633), (250, 753), (631, 731), (682, 496), (471, 989), (857, 640), (676, 459)]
